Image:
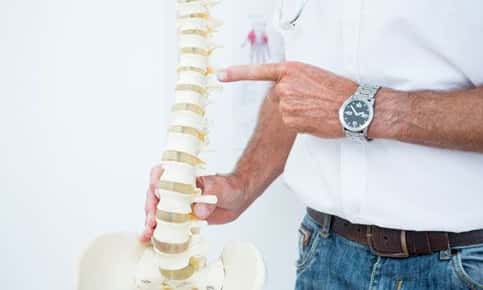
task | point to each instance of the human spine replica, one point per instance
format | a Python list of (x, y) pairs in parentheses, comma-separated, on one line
[(177, 245), (175, 259)]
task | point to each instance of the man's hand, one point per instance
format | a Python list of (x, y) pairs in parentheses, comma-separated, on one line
[(151, 204), (231, 200), (308, 97)]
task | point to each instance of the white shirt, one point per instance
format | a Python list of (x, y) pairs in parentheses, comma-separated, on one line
[(404, 45)]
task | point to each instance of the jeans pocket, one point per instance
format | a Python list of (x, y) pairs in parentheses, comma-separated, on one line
[(468, 264), (309, 237)]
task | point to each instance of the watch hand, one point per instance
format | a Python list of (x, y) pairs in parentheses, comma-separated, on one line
[(353, 110)]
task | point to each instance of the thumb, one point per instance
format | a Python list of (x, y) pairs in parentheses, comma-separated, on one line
[(207, 185)]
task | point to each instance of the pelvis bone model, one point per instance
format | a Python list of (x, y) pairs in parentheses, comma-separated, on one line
[(175, 258)]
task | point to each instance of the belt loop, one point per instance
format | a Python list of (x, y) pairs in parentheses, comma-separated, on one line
[(445, 255), (325, 230), (448, 253), (449, 250), (369, 236), (404, 243)]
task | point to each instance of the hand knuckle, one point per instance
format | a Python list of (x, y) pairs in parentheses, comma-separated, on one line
[(287, 123), (284, 106), (284, 116), (275, 92), (283, 90), (284, 66), (288, 119), (292, 66)]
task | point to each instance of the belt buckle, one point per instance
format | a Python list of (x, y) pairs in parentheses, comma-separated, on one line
[(404, 246)]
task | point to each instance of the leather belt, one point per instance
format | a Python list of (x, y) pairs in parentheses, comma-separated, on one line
[(393, 243)]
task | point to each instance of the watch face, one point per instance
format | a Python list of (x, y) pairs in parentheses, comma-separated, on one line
[(356, 114)]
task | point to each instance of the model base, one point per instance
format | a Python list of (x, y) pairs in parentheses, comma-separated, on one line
[(120, 262)]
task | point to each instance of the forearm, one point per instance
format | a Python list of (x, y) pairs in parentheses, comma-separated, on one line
[(263, 160), (452, 120)]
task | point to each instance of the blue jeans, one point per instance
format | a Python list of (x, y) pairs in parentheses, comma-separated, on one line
[(329, 261)]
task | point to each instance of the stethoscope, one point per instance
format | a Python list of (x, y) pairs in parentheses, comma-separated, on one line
[(290, 23)]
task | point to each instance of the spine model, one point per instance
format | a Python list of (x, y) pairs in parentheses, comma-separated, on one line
[(175, 258), (177, 245)]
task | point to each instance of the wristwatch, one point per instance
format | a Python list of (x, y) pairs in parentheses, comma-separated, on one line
[(357, 112)]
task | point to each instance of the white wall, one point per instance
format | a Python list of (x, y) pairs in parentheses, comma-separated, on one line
[(84, 91)]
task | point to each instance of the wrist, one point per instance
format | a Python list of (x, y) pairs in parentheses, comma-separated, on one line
[(390, 108)]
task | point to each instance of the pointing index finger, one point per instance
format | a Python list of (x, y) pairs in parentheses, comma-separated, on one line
[(259, 72)]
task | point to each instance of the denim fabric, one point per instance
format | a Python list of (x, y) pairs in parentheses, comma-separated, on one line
[(329, 261)]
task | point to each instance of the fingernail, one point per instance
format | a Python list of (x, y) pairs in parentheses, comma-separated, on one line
[(201, 211), (221, 75)]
